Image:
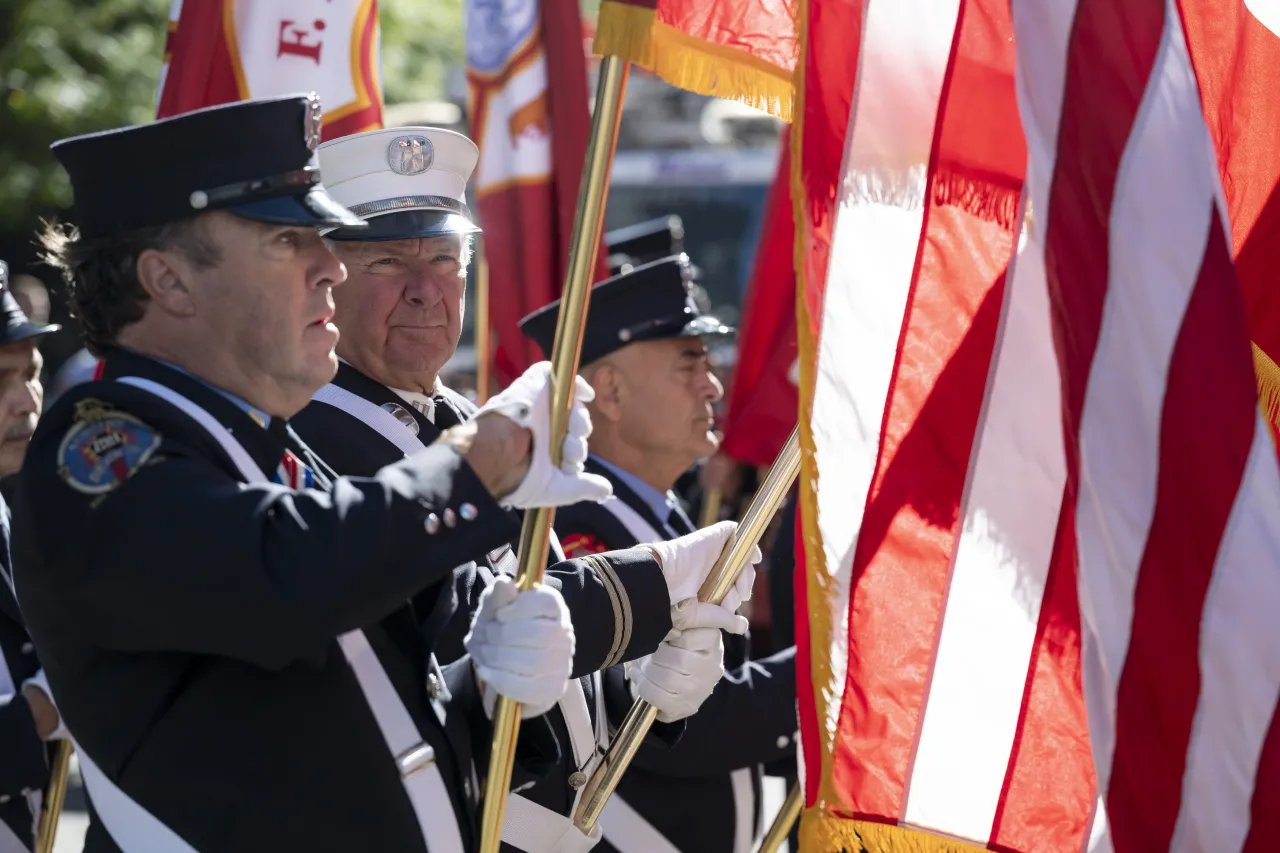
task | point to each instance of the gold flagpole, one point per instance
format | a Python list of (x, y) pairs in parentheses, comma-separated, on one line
[(54, 797), (723, 575), (611, 87), (781, 826), (711, 503), (484, 344)]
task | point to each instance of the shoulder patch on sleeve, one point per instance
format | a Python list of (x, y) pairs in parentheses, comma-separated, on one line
[(581, 544), (103, 448)]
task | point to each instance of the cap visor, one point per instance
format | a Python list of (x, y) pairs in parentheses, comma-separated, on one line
[(25, 332), (407, 225), (315, 208)]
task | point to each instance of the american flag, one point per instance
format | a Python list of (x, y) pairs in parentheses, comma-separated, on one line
[(1041, 507)]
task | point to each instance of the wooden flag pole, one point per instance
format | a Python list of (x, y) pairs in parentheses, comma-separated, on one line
[(781, 826), (732, 560), (484, 341), (588, 222), (54, 797)]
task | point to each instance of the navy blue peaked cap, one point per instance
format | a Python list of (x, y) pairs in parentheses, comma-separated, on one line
[(14, 324), (255, 159), (643, 242), (648, 303)]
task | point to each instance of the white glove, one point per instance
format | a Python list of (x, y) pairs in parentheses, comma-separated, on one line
[(527, 401), (681, 674), (687, 561), (521, 644)]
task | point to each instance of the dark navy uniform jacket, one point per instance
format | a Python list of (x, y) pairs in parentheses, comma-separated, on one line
[(187, 619), (632, 602), (687, 793), (24, 758)]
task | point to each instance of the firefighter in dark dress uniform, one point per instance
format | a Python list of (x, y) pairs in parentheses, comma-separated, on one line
[(400, 317), (644, 351), (28, 717), (232, 631)]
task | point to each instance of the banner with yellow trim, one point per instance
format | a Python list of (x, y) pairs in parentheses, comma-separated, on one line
[(742, 50)]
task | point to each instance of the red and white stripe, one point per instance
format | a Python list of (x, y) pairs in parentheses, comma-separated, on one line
[(1049, 511)]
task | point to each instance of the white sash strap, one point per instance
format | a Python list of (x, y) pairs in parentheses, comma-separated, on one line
[(641, 530), (415, 760), (582, 736), (131, 827), (137, 831), (374, 416), (744, 810), (386, 425), (628, 832), (9, 839)]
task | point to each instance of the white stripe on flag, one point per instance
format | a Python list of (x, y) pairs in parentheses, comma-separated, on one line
[(1240, 670), (998, 582), (877, 230), (1158, 229)]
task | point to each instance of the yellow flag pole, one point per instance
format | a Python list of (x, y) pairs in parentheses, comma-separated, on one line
[(484, 344), (535, 534), (781, 826), (732, 560), (711, 503), (54, 798)]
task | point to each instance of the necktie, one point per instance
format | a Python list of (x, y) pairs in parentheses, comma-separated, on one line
[(293, 472)]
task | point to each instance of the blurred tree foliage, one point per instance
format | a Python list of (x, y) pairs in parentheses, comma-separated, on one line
[(78, 66)]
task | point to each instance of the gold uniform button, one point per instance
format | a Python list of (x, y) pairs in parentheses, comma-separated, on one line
[(577, 779)]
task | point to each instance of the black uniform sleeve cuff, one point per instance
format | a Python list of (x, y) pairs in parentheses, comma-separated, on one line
[(619, 604)]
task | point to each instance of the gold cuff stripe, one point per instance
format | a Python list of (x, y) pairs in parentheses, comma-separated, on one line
[(621, 609)]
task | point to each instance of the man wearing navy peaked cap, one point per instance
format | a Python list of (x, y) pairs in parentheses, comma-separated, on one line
[(230, 628), (645, 354), (400, 315), (28, 717)]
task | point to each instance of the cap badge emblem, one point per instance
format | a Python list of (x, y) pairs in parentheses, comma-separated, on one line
[(410, 155), (314, 121)]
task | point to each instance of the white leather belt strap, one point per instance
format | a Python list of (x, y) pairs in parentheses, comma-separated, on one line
[(385, 424), (374, 416), (131, 827), (9, 839), (533, 828), (628, 832), (415, 760), (582, 735), (641, 530), (744, 809)]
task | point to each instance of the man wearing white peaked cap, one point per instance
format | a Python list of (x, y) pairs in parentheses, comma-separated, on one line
[(400, 318)]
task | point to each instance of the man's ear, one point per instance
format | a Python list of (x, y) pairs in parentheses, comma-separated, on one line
[(606, 379), (167, 279)]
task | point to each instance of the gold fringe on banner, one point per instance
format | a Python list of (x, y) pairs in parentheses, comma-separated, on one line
[(633, 33), (825, 833), (1268, 374)]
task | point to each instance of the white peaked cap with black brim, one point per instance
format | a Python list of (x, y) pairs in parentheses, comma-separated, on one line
[(404, 182)]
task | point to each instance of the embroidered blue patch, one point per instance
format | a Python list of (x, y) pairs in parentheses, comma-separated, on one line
[(103, 448)]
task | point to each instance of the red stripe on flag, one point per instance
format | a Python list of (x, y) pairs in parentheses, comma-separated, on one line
[(1100, 101), (902, 563), (1052, 740), (833, 38), (1200, 474)]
